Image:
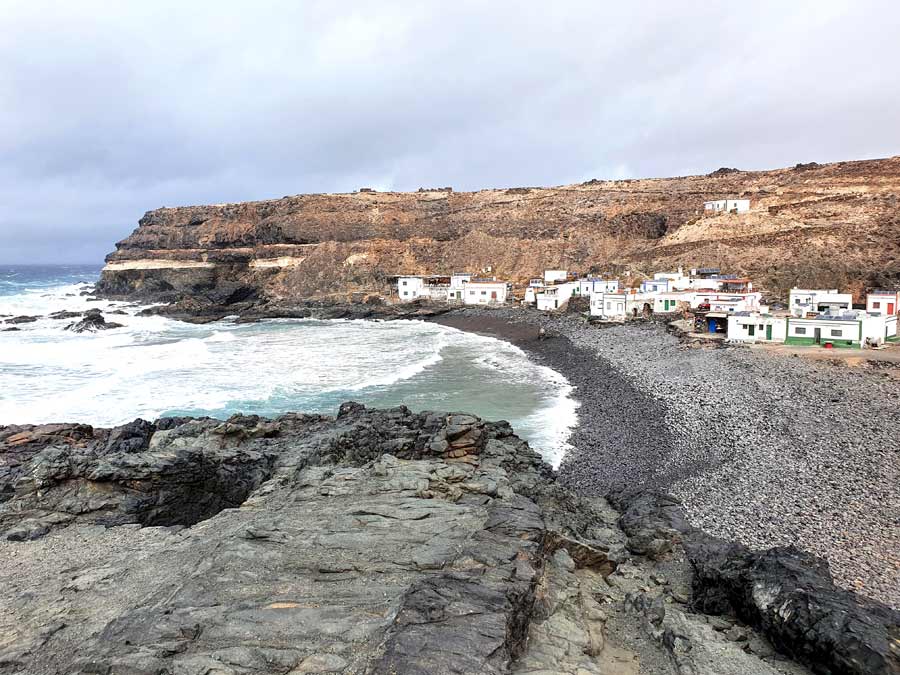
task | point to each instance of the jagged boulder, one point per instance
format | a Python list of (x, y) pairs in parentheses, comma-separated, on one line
[(92, 322), (790, 596)]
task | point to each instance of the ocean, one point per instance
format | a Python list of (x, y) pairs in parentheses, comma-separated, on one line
[(154, 366)]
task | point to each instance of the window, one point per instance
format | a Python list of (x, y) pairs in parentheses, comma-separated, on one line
[(876, 305), (484, 292), (404, 283), (799, 331), (471, 292), (760, 326), (836, 332)]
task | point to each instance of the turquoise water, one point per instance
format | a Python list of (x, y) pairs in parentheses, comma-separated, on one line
[(154, 366)]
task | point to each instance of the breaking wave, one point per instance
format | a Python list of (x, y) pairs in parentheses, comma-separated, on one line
[(154, 366)]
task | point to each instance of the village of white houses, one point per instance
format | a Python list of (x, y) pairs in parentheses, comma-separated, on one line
[(706, 301)]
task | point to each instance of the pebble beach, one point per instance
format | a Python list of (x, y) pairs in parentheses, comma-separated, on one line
[(764, 448)]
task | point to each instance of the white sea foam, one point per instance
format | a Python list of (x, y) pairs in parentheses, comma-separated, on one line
[(154, 366)]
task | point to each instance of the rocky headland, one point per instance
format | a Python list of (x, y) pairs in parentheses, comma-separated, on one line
[(383, 541), (346, 247)]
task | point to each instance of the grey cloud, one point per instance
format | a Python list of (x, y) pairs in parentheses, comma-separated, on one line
[(110, 109)]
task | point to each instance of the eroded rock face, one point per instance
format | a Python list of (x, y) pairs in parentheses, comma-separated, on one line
[(378, 541), (790, 596), (336, 246)]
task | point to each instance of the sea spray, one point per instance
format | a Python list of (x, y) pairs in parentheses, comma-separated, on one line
[(155, 366)]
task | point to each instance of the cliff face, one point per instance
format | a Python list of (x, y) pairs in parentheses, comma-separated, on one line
[(812, 224)]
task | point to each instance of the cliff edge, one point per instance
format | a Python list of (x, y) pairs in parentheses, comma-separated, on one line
[(831, 224)]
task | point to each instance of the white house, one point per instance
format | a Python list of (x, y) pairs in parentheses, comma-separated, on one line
[(485, 292), (597, 285), (553, 297), (726, 302), (549, 298), (655, 285), (551, 276), (610, 306), (411, 288), (805, 300), (458, 281), (671, 301), (756, 327), (727, 206), (883, 302)]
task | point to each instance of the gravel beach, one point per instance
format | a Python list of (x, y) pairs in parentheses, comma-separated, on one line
[(761, 447)]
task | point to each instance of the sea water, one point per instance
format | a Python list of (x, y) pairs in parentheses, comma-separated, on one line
[(155, 366)]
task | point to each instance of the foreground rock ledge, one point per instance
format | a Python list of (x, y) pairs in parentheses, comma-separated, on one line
[(379, 541)]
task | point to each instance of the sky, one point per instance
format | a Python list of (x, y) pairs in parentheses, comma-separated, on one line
[(110, 109)]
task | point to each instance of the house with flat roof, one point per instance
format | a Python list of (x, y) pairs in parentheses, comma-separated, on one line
[(727, 206), (590, 285), (551, 276), (422, 287), (555, 296), (803, 301), (751, 327), (485, 292), (883, 302), (609, 306)]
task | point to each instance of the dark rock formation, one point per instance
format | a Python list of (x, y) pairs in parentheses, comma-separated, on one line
[(92, 322), (22, 319), (789, 595), (378, 541), (63, 314)]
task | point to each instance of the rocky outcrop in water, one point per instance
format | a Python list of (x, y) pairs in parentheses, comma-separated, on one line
[(379, 541), (92, 322)]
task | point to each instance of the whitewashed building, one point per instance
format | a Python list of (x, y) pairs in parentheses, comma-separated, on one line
[(803, 301), (671, 301), (549, 298), (883, 302), (751, 327), (556, 296), (457, 289), (485, 292), (552, 276), (726, 302), (590, 285), (411, 288), (609, 306), (655, 285), (727, 206)]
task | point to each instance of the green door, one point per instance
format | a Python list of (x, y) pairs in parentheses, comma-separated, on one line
[(751, 330), (768, 332)]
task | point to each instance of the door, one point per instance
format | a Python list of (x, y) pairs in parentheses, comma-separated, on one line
[(494, 295), (768, 332), (890, 309), (751, 330), (818, 336)]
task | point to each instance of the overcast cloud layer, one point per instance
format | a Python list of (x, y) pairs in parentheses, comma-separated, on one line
[(109, 109)]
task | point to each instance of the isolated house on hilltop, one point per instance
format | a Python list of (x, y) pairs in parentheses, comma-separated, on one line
[(727, 206)]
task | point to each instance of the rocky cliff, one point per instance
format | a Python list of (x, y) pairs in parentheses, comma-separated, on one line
[(833, 224), (382, 541)]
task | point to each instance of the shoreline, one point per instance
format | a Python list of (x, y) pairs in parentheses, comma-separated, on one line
[(632, 418), (755, 445)]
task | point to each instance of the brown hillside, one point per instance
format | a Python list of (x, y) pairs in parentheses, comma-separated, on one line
[(834, 224)]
